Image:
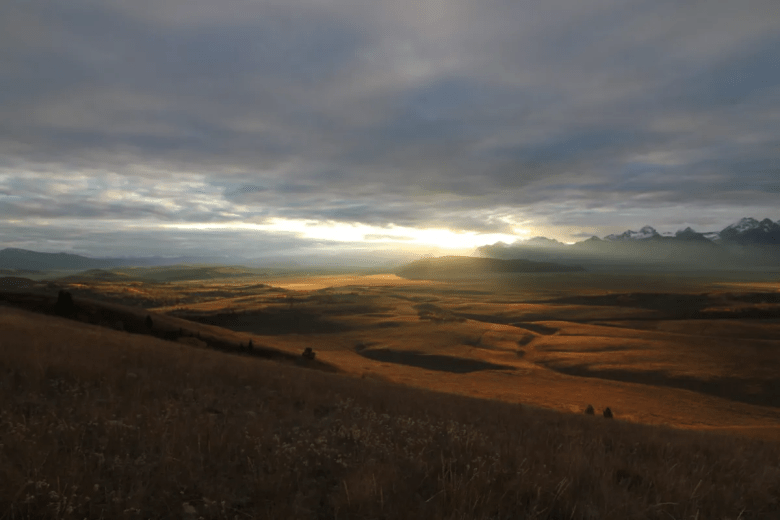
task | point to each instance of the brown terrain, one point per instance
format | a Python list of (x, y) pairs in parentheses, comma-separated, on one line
[(699, 358), (683, 353)]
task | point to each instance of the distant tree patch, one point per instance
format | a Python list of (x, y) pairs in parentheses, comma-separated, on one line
[(65, 305)]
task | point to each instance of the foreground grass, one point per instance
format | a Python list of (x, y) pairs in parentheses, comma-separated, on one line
[(102, 424)]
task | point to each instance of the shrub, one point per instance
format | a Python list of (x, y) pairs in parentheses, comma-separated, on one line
[(64, 305)]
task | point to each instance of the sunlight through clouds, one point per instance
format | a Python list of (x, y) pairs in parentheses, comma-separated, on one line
[(346, 232), (405, 124)]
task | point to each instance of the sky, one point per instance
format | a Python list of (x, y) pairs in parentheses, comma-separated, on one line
[(260, 129)]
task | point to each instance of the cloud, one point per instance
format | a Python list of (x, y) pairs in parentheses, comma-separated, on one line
[(565, 116), (239, 247)]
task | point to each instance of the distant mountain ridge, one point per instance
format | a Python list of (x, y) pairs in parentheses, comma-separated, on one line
[(645, 233), (746, 231), (748, 243), (751, 231), (23, 260), (12, 258)]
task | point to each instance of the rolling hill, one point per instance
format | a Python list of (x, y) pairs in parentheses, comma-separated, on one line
[(464, 266)]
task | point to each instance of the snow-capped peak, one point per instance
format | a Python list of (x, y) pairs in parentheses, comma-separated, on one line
[(643, 234), (743, 225), (712, 236), (767, 225), (751, 231)]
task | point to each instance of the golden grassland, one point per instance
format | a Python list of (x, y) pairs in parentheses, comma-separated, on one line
[(99, 423), (702, 357), (426, 399), (558, 341)]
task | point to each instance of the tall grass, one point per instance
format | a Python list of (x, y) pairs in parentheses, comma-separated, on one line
[(103, 424)]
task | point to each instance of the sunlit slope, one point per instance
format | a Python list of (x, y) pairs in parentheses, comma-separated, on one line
[(633, 352), (555, 355)]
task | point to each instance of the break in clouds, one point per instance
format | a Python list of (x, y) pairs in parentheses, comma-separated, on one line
[(502, 118)]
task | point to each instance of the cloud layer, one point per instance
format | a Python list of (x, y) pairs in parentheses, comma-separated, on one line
[(506, 117)]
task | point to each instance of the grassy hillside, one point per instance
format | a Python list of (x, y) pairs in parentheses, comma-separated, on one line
[(464, 266), (163, 274), (98, 423)]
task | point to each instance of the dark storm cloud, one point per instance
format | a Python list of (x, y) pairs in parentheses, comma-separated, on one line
[(734, 80), (421, 114)]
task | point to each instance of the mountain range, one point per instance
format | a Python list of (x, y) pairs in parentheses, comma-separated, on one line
[(747, 231), (25, 261), (749, 243)]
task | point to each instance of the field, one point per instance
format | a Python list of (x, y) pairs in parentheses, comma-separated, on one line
[(427, 399), (691, 353)]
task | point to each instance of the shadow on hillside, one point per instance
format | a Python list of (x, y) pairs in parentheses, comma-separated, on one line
[(688, 306), (655, 301), (762, 393), (276, 322), (431, 361), (138, 321), (535, 327)]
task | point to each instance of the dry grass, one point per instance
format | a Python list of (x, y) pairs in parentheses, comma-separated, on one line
[(103, 424)]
